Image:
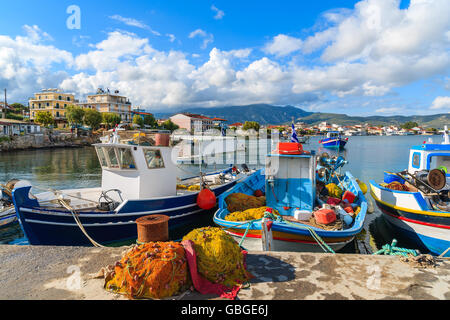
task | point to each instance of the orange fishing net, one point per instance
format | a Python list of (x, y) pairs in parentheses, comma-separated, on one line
[(151, 270), (242, 202), (397, 186)]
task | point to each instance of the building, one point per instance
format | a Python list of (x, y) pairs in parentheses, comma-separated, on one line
[(105, 102), (3, 109), (140, 112), (236, 125), (9, 127), (53, 101), (192, 122)]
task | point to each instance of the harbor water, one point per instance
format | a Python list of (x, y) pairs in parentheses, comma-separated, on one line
[(368, 157)]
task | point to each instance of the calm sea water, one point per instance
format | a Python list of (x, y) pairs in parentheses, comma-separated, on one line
[(368, 157)]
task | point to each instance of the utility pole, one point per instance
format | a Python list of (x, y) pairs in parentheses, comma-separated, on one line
[(4, 107)]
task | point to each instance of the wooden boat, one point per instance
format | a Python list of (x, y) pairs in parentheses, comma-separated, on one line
[(138, 179), (289, 183), (420, 208), (334, 139), (7, 211)]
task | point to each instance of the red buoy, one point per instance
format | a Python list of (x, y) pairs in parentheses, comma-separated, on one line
[(206, 199), (258, 193)]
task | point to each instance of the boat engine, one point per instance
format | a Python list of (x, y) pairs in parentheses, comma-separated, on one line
[(433, 182)]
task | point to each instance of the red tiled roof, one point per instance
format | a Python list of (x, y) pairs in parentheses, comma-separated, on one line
[(237, 124)]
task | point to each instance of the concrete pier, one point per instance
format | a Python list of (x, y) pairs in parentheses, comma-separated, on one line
[(29, 272)]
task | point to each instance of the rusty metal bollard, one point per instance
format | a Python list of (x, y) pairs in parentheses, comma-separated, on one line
[(153, 228)]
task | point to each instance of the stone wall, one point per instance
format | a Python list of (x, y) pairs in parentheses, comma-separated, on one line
[(47, 140)]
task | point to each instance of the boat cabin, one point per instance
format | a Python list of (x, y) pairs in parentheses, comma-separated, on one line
[(430, 156), (138, 171), (290, 179), (333, 134)]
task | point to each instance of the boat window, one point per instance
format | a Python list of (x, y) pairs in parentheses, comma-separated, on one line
[(153, 158), (416, 160), (111, 155), (440, 161), (101, 157), (126, 158)]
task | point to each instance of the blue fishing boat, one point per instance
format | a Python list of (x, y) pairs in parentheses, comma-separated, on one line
[(416, 201), (289, 182), (334, 139), (138, 179)]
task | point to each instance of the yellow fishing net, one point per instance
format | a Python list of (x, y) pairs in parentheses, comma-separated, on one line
[(194, 187), (334, 191), (242, 202), (153, 270), (219, 258), (249, 214)]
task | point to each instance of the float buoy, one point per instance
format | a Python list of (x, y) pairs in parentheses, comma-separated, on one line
[(206, 199)]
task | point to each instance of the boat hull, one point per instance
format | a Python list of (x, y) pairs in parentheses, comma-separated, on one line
[(44, 226), (333, 143), (7, 216), (286, 241), (404, 212)]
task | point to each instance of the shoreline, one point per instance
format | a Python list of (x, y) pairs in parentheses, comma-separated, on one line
[(46, 141)]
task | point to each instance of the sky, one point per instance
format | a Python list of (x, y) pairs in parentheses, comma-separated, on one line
[(369, 57)]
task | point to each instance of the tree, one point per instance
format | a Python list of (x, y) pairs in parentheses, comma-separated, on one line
[(150, 120), (111, 119), (251, 125), (75, 115), (92, 118), (169, 125), (409, 125), (45, 118), (18, 107), (137, 119)]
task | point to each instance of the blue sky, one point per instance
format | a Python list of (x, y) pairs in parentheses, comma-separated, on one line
[(356, 57)]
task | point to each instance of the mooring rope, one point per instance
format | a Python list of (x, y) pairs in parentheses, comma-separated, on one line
[(392, 250), (77, 220)]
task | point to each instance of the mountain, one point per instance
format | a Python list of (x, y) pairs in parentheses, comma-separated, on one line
[(267, 114)]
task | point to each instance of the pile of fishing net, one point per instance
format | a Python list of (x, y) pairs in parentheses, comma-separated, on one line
[(207, 257), (219, 257), (395, 185), (334, 190), (153, 270), (247, 215), (242, 202)]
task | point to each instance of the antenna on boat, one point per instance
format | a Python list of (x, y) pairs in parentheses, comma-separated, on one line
[(446, 139)]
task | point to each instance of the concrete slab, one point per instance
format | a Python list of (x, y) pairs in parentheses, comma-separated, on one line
[(34, 272)]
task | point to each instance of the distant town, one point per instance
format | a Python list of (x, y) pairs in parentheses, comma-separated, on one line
[(57, 110)]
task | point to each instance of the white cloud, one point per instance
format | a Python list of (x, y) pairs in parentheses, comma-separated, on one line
[(134, 23), (441, 104), (282, 45), (219, 13), (362, 53), (171, 37), (207, 37), (394, 110), (26, 63)]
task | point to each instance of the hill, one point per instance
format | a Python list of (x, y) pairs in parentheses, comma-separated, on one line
[(269, 114)]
